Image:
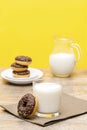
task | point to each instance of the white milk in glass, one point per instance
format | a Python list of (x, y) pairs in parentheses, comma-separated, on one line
[(62, 63), (48, 95)]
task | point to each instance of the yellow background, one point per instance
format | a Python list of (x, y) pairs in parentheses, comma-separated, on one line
[(27, 27)]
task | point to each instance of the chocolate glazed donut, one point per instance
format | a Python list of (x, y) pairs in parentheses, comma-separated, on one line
[(21, 74), (18, 68), (27, 106), (23, 60)]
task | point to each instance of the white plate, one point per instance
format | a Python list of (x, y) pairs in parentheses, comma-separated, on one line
[(35, 74)]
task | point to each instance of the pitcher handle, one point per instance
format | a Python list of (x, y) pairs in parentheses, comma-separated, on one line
[(77, 47)]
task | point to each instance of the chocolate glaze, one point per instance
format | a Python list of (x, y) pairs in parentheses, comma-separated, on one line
[(23, 58), (22, 72), (26, 105), (18, 66)]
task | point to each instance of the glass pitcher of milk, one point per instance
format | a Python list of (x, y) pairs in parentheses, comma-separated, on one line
[(63, 60)]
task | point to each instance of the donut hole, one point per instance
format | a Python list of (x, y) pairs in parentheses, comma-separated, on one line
[(24, 104)]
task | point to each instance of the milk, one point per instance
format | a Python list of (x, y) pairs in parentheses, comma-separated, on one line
[(48, 95), (62, 63)]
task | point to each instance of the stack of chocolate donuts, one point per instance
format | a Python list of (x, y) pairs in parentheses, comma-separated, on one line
[(20, 67)]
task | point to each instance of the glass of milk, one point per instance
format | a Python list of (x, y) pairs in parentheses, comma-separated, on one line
[(63, 60), (48, 95)]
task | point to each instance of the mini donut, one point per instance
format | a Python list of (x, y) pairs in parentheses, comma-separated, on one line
[(23, 60), (17, 67), (21, 74), (27, 106)]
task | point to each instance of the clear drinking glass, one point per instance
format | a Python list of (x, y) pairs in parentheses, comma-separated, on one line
[(48, 95), (62, 60)]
